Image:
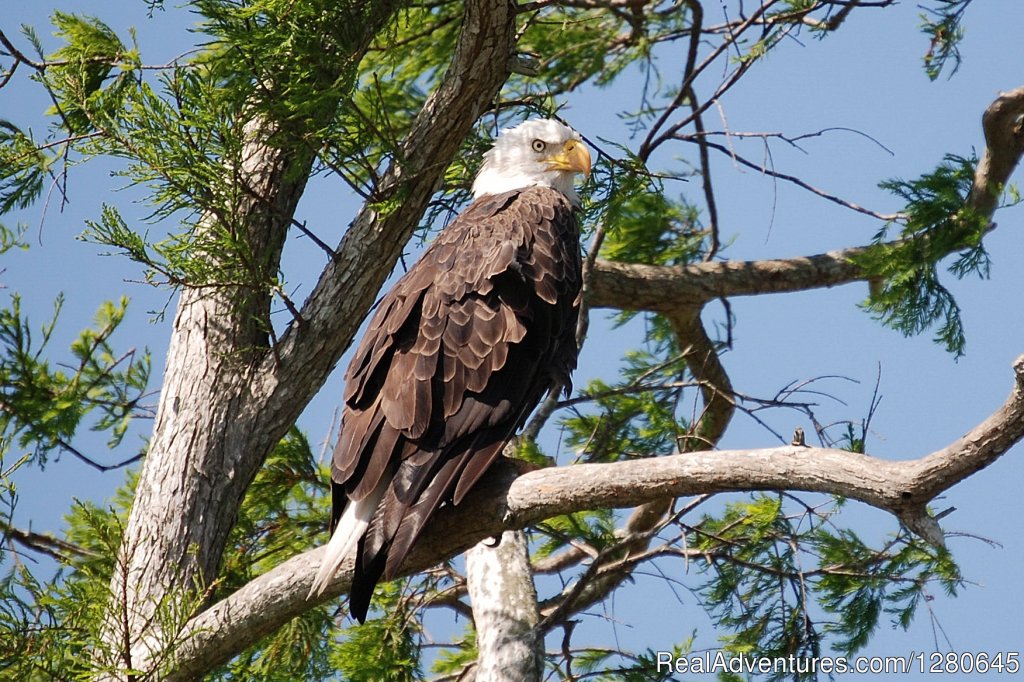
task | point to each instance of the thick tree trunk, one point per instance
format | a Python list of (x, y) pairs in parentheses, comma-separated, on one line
[(209, 437), (509, 646)]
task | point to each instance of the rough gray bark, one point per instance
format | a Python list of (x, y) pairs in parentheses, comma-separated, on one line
[(501, 590), (503, 502), (209, 432), (227, 397)]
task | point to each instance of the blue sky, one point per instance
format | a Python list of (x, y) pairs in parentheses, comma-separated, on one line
[(866, 78)]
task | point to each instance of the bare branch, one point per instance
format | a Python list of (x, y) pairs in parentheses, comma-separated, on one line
[(702, 359), (701, 140), (47, 544), (663, 288)]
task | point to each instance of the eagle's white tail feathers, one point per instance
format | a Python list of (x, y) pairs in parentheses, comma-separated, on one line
[(351, 526)]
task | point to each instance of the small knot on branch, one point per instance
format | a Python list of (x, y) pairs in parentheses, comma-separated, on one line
[(923, 524)]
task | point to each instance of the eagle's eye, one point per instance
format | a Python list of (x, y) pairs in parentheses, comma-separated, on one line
[(539, 145)]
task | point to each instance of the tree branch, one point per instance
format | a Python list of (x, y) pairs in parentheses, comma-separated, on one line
[(633, 286), (1003, 123), (46, 543), (705, 365), (502, 501), (664, 288)]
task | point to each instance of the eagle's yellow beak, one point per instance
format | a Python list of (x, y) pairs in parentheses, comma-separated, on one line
[(572, 157)]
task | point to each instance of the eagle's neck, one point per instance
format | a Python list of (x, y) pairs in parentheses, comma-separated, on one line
[(492, 181)]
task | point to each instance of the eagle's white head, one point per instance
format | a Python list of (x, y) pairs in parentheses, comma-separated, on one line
[(538, 152)]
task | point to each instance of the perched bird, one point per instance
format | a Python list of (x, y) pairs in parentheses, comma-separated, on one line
[(458, 354)]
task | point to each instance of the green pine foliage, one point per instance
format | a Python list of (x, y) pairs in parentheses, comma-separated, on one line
[(937, 221), (385, 648), (23, 168), (44, 406), (82, 82), (458, 658), (45, 630), (889, 582), (596, 528), (50, 629), (785, 579), (942, 25), (648, 226)]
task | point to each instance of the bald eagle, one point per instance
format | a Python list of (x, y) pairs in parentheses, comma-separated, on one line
[(458, 354)]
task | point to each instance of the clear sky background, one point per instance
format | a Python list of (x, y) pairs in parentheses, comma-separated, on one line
[(868, 77)]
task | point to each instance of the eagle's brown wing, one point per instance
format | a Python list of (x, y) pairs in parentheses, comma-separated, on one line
[(456, 356)]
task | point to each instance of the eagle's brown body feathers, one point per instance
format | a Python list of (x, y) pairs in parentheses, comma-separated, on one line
[(456, 356)]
